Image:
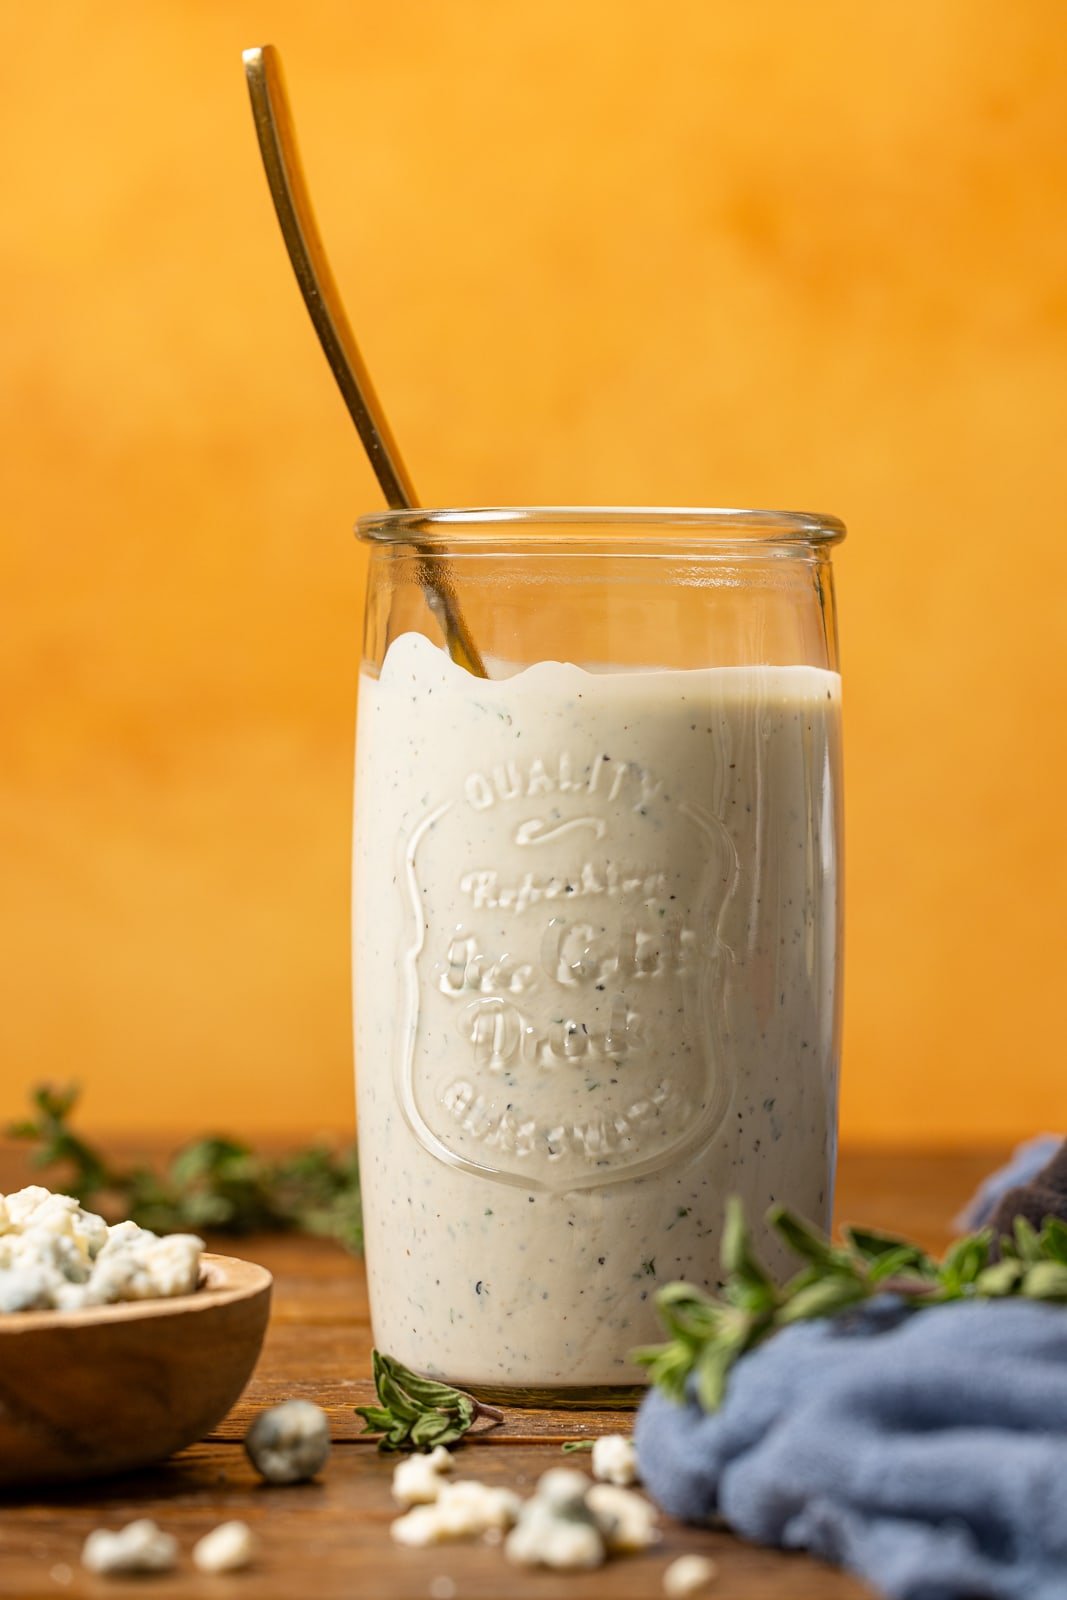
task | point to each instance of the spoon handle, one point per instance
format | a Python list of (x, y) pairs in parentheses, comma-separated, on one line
[(292, 203)]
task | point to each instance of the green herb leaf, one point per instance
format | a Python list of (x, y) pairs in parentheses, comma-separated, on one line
[(966, 1260), (377, 1418), (884, 1255), (803, 1239), (416, 1412), (895, 1263), (572, 1446), (826, 1298), (1045, 1280), (712, 1370), (872, 1246), (431, 1429), (1054, 1240), (749, 1284), (213, 1183), (1002, 1278), (708, 1333), (1027, 1241)]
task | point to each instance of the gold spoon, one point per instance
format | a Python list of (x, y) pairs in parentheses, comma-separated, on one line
[(281, 162)]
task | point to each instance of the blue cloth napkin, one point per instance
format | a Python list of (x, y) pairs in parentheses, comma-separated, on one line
[(926, 1451), (1024, 1165)]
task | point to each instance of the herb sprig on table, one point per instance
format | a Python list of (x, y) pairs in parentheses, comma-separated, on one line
[(212, 1183), (417, 1413), (709, 1333)]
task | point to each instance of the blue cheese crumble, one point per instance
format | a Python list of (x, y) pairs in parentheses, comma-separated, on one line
[(56, 1256)]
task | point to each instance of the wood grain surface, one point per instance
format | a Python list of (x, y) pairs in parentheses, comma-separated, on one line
[(331, 1538), (109, 1388)]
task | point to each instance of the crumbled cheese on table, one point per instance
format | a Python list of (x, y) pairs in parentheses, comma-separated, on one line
[(626, 1520), (138, 1547), (615, 1460), (228, 1548), (569, 1523), (688, 1575), (548, 1537), (418, 1479), (289, 1443), (464, 1510)]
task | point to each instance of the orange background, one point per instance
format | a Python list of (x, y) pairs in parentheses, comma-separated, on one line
[(773, 254)]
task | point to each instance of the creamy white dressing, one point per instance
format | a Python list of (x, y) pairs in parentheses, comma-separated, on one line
[(596, 941)]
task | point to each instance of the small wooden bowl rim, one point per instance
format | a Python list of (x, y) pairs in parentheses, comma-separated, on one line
[(223, 1281)]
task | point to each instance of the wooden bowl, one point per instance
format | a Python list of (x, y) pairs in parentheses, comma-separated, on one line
[(110, 1388)]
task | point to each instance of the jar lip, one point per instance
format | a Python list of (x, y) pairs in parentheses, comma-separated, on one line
[(699, 525)]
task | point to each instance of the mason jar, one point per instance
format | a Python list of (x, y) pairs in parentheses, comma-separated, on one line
[(597, 922)]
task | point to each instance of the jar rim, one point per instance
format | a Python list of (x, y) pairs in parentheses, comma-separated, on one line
[(700, 526)]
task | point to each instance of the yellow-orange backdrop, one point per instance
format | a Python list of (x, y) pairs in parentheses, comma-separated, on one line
[(771, 254)]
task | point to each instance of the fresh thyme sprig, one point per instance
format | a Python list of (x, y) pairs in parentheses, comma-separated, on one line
[(709, 1333), (213, 1183), (417, 1413)]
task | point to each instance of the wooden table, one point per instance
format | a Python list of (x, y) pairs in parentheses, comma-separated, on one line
[(331, 1538)]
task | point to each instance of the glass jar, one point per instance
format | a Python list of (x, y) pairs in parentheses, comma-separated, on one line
[(597, 922)]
